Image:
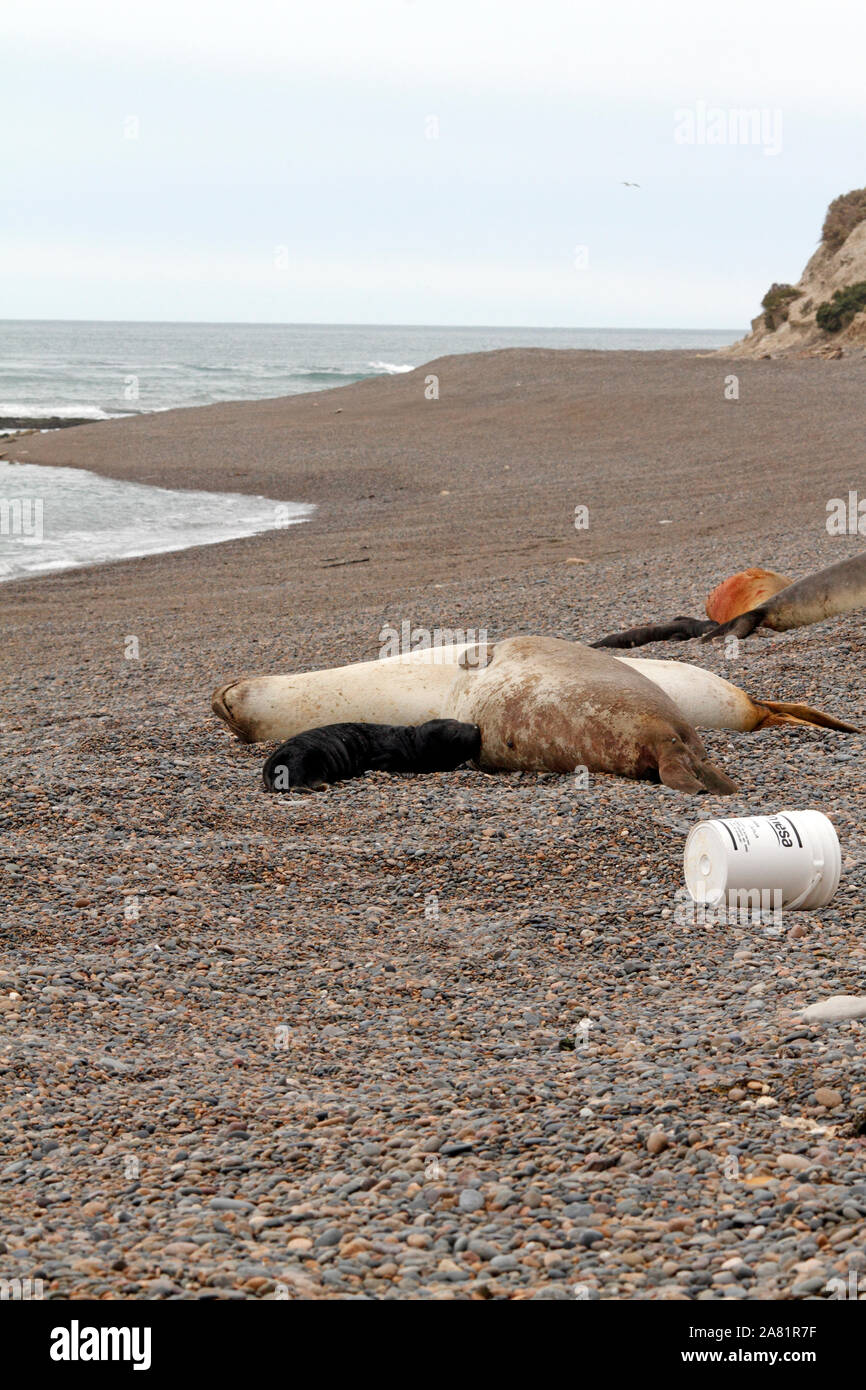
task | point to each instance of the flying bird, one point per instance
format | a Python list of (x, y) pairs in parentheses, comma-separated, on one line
[(625, 183)]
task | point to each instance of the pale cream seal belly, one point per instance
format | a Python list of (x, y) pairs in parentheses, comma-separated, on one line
[(407, 689)]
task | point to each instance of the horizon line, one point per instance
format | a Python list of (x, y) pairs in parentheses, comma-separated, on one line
[(332, 323)]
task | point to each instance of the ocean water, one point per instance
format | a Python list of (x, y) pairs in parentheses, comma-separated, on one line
[(61, 518), (95, 370)]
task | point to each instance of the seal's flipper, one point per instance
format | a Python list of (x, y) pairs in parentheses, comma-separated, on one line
[(685, 772), (740, 627), (680, 630), (783, 712), (676, 772), (714, 780)]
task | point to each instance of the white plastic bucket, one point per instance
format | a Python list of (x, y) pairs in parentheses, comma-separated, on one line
[(794, 853)]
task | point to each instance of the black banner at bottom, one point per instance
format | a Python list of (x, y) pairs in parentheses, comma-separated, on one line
[(56, 1340)]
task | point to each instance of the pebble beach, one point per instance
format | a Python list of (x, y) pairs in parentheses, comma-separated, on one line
[(444, 1037)]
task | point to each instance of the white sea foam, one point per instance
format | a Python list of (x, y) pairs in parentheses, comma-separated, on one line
[(325, 371), (46, 411), (392, 368), (61, 518)]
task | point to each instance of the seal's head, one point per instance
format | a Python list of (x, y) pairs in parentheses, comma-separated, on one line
[(441, 745), (223, 704)]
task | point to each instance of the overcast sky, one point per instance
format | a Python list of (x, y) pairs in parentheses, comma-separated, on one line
[(420, 161)]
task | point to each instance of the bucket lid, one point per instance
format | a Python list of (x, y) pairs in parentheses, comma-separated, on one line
[(705, 863)]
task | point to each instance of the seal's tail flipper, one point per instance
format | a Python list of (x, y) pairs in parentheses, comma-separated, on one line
[(782, 712), (686, 772), (740, 627)]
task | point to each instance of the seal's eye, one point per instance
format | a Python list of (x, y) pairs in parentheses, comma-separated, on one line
[(509, 743)]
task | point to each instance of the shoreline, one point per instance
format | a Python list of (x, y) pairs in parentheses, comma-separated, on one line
[(489, 474), (71, 518), (16, 426)]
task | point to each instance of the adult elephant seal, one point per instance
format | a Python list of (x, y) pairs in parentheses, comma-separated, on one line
[(549, 706), (415, 688), (735, 595), (829, 593), (309, 761)]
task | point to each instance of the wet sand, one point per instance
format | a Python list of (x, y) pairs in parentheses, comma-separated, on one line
[(334, 1047)]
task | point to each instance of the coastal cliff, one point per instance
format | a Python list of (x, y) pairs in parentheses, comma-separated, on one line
[(824, 314)]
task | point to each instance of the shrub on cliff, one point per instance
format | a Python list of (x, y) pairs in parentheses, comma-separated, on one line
[(776, 303), (837, 313), (843, 215)]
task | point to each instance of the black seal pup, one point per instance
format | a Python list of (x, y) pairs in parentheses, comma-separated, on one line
[(335, 752)]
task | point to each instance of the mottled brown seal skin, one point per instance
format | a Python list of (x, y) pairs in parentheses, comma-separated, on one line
[(828, 593), (742, 592), (549, 706)]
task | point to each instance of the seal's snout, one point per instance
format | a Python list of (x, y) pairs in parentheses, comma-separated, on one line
[(222, 709)]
